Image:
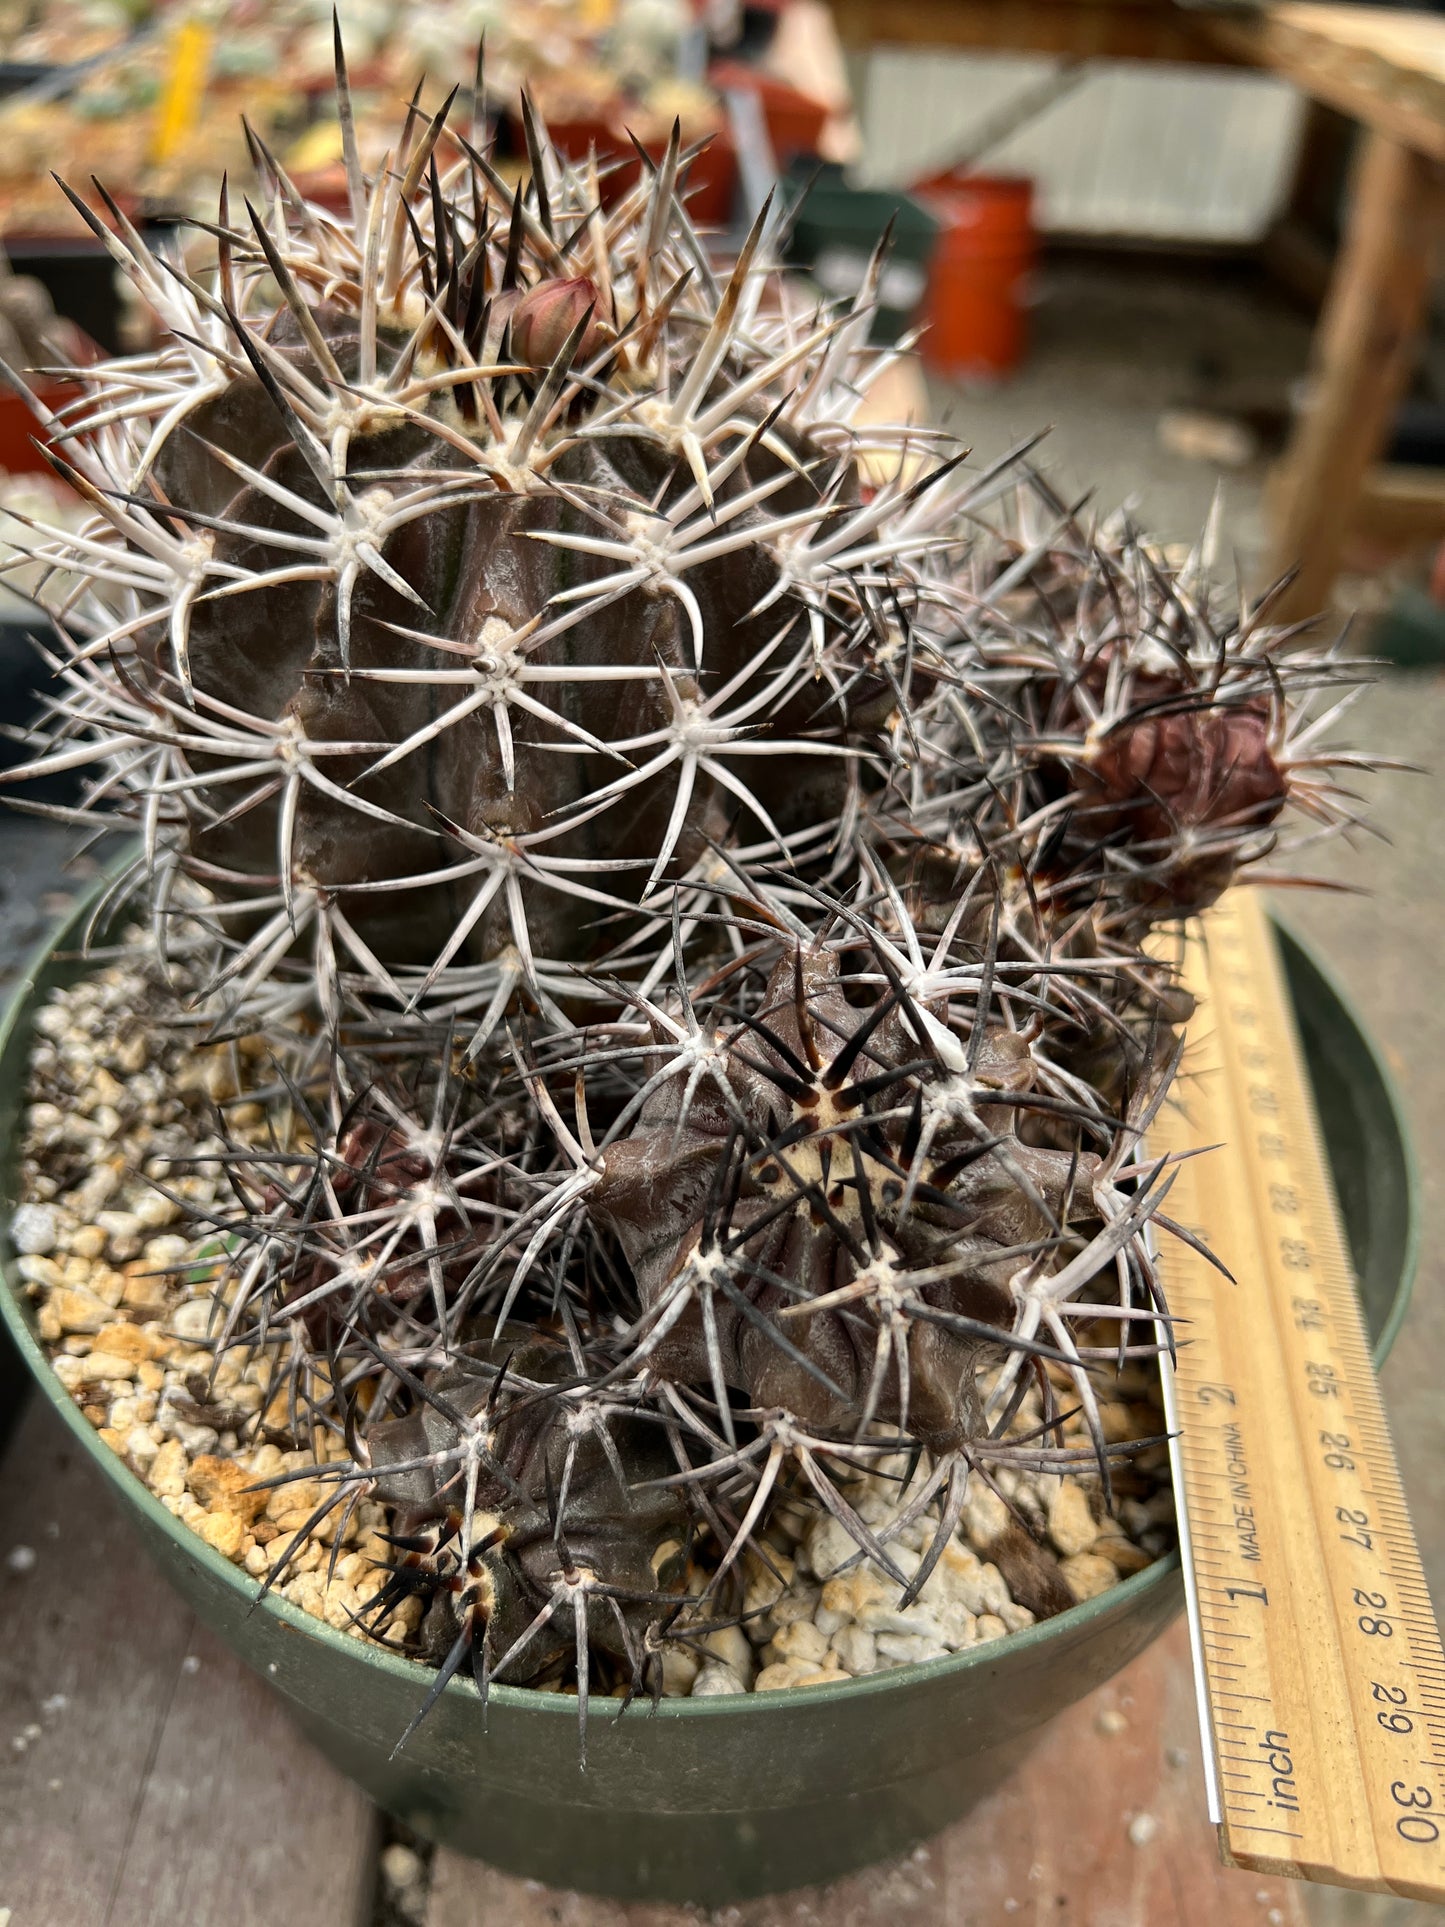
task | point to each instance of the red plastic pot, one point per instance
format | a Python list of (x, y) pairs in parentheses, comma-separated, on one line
[(711, 177), (976, 307), (794, 120), (20, 431)]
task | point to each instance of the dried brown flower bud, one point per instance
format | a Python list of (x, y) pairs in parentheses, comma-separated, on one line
[(1192, 767)]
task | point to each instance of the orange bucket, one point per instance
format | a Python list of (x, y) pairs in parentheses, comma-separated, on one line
[(976, 307)]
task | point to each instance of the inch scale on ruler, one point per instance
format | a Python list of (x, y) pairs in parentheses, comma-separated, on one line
[(1322, 1681)]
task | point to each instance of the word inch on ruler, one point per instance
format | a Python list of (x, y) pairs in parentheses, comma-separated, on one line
[(1321, 1664)]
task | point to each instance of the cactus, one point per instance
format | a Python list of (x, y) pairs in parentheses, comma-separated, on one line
[(692, 852)]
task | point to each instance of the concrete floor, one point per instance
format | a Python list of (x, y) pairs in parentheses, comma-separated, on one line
[(1116, 343), (1113, 349)]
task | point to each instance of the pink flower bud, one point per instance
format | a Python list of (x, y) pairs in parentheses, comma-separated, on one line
[(546, 315)]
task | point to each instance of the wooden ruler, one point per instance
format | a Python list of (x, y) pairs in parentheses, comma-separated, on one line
[(1317, 1656)]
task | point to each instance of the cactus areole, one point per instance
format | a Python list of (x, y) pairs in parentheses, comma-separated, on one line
[(692, 852)]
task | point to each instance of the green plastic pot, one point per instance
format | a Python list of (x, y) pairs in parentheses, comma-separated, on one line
[(719, 1799)]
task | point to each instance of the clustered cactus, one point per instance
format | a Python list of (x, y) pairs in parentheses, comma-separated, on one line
[(697, 856)]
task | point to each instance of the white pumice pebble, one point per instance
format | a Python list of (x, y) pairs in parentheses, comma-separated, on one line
[(34, 1230), (716, 1679)]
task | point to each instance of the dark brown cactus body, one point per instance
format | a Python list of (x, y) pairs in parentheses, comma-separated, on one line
[(483, 576), (558, 1491), (815, 1184)]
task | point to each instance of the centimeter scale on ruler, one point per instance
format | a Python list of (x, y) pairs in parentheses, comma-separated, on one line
[(1319, 1664)]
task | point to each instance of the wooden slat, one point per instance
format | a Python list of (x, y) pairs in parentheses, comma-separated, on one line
[(1400, 507), (1053, 1844), (166, 1784), (1364, 353), (1081, 29), (1382, 66)]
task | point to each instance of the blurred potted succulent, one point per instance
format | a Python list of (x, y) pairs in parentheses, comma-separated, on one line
[(611, 1161), (36, 346)]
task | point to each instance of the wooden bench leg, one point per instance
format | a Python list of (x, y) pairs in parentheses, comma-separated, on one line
[(1364, 354)]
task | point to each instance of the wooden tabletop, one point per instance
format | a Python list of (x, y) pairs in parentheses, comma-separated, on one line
[(1081, 29), (1383, 66)]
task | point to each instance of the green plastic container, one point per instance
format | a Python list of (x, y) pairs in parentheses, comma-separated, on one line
[(719, 1799), (835, 228)]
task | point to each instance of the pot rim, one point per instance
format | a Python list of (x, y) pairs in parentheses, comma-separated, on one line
[(1163, 1572), (1381, 1347)]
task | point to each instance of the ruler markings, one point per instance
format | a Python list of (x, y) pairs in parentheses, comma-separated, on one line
[(1306, 1583), (1325, 1347)]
